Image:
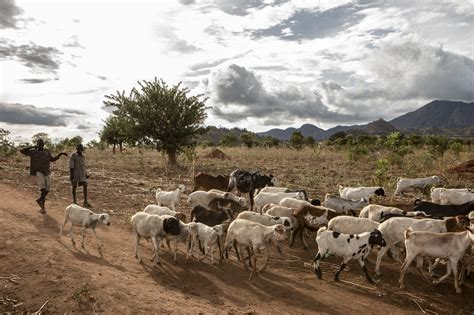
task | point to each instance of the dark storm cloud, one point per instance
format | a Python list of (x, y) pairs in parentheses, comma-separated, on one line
[(8, 13), (32, 115), (33, 56), (36, 80), (305, 24), (238, 94)]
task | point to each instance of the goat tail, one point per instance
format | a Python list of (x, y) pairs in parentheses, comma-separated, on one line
[(408, 233)]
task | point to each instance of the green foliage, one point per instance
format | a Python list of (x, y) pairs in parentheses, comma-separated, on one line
[(206, 143), (69, 143), (357, 151), (164, 114), (7, 148), (337, 135), (381, 173), (456, 147), (229, 140), (396, 144), (270, 142), (96, 144), (248, 138), (439, 145), (415, 140), (309, 141), (115, 131), (366, 140), (42, 135), (297, 140)]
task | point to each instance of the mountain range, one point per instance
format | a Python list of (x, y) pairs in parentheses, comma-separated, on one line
[(437, 117)]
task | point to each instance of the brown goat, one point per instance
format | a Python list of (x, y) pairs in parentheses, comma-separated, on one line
[(318, 217), (208, 182)]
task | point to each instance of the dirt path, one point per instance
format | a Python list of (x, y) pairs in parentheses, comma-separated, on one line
[(50, 269)]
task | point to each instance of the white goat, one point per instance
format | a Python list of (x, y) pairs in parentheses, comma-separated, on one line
[(410, 184), (377, 212), (436, 192), (280, 211), (169, 198), (154, 227), (348, 246), (266, 219), (256, 236), (293, 203), (456, 197), (352, 225), (450, 246), (264, 198), (86, 219), (393, 233), (209, 237), (203, 198), (356, 193), (342, 205), (159, 210)]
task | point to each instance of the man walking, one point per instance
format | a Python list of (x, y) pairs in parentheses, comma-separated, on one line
[(40, 159), (78, 173)]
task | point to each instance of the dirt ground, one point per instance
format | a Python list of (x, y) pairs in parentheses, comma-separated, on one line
[(37, 266)]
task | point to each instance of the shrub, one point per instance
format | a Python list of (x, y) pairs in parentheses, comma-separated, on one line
[(380, 176)]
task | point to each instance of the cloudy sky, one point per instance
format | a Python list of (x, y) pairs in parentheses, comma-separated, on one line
[(262, 63)]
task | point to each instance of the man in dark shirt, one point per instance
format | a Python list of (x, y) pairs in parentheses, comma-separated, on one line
[(78, 173), (40, 159)]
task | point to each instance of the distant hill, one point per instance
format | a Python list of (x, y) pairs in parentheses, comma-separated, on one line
[(437, 117), (437, 114)]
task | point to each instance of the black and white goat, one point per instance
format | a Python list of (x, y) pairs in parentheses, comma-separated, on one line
[(348, 246)]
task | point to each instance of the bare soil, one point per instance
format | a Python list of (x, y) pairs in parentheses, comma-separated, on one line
[(38, 266)]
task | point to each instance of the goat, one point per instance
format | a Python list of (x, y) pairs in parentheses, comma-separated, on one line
[(246, 182), (451, 246), (342, 205), (169, 198), (436, 192), (159, 210), (410, 184), (208, 182), (435, 210), (86, 219), (256, 236), (264, 198), (356, 193), (209, 236), (145, 225), (348, 246)]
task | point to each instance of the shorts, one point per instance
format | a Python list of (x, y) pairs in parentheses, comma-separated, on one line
[(44, 181), (75, 182)]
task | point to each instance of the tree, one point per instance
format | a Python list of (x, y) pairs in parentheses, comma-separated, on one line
[(248, 138), (7, 147), (309, 141), (229, 140), (42, 135), (297, 140), (114, 132), (164, 114)]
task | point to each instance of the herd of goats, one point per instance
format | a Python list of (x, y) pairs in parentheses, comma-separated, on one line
[(347, 225)]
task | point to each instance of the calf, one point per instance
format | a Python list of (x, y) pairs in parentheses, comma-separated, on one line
[(349, 246)]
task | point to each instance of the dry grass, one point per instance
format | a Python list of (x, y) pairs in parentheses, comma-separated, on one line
[(125, 183)]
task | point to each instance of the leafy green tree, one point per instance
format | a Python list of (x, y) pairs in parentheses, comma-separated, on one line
[(309, 141), (7, 147), (248, 138), (229, 140), (270, 142), (114, 132), (42, 135), (297, 140), (167, 115)]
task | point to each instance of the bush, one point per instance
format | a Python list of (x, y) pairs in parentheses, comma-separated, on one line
[(357, 151), (7, 148), (380, 176)]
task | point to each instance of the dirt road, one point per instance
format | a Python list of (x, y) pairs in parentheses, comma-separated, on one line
[(36, 266)]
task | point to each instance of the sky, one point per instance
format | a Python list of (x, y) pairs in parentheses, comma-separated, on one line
[(261, 63)]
